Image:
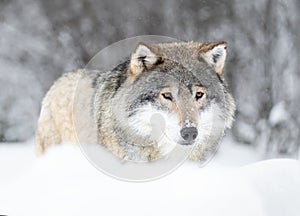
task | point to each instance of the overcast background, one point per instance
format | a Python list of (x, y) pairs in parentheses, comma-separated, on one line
[(39, 40)]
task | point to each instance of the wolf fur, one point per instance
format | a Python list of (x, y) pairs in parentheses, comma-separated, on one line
[(181, 83)]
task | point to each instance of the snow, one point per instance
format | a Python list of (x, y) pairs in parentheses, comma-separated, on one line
[(279, 114), (63, 182)]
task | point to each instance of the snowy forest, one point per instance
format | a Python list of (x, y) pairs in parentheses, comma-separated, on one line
[(40, 40), (256, 170)]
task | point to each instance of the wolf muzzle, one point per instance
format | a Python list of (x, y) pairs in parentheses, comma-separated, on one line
[(189, 134)]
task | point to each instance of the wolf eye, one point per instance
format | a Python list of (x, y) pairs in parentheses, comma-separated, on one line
[(167, 96), (199, 95)]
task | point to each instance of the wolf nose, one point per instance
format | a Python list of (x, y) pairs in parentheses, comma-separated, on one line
[(189, 134)]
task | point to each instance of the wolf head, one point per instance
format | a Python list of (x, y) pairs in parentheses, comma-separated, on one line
[(175, 94)]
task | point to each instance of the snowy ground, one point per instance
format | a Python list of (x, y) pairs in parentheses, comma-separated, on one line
[(63, 183)]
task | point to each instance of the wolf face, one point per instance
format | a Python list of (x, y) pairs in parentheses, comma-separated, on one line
[(174, 94)]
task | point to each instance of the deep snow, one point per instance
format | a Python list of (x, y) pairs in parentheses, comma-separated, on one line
[(63, 182)]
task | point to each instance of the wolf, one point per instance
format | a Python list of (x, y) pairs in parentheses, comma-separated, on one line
[(163, 95)]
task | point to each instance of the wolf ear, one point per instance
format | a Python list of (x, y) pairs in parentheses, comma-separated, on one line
[(142, 59), (215, 55)]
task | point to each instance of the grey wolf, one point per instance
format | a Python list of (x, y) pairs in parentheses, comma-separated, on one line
[(181, 83)]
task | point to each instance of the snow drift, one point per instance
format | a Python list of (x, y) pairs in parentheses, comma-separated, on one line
[(63, 182)]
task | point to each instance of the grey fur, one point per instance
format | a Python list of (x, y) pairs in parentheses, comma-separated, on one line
[(178, 67), (119, 95)]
